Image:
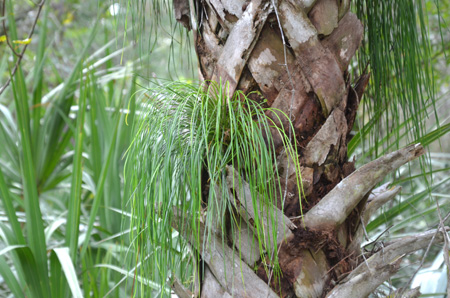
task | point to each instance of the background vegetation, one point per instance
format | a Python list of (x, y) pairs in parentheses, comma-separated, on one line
[(67, 122)]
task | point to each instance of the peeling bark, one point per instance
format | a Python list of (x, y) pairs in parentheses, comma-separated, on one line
[(345, 40), (395, 249), (211, 287), (318, 64), (181, 290), (246, 211), (328, 137), (285, 102), (344, 7), (240, 43), (267, 60), (246, 242), (365, 283), (332, 210), (324, 16), (310, 282), (229, 275), (233, 275)]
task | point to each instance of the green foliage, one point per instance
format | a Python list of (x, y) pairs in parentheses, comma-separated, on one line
[(185, 141), (396, 51), (62, 143), (403, 41)]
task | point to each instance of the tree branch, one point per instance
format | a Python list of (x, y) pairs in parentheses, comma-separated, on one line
[(380, 266), (363, 284), (334, 208), (378, 198)]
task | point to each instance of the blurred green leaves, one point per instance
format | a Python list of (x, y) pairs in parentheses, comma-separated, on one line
[(62, 145)]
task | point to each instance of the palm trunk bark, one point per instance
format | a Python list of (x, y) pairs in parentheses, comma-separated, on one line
[(296, 56)]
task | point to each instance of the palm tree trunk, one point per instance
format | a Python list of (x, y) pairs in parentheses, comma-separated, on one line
[(296, 56)]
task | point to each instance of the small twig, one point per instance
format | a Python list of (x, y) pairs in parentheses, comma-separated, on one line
[(446, 246), (20, 56), (379, 236), (421, 263), (447, 259), (364, 228)]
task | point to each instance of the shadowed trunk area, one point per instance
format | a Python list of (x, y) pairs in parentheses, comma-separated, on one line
[(294, 56)]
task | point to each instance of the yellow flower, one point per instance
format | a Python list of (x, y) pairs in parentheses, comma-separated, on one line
[(24, 41), (68, 19)]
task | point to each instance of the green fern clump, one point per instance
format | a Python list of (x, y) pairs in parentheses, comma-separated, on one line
[(177, 169)]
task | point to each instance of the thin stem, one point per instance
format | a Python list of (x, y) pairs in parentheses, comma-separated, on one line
[(20, 56)]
